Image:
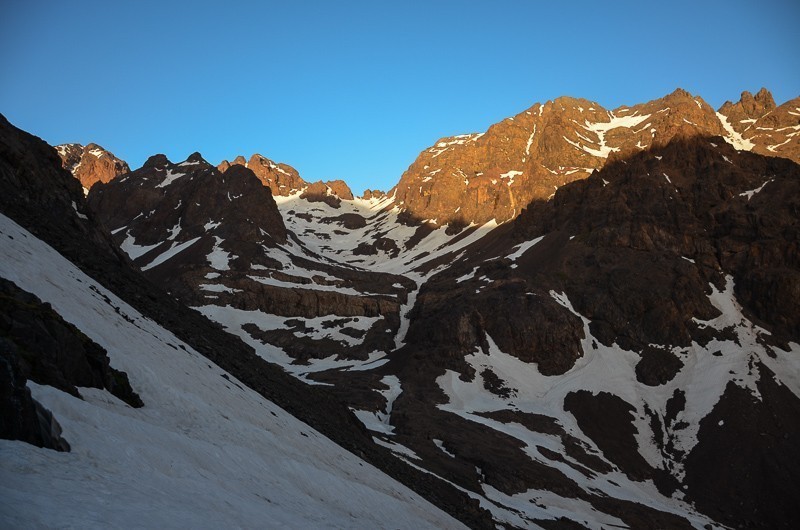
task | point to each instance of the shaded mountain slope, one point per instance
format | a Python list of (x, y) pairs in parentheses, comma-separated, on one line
[(48, 202), (204, 451), (644, 302)]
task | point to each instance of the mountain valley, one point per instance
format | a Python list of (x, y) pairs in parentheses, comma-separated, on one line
[(579, 318)]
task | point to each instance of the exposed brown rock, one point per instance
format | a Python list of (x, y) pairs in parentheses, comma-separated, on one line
[(91, 164), (321, 192), (373, 194), (282, 179), (340, 189), (748, 109), (494, 175)]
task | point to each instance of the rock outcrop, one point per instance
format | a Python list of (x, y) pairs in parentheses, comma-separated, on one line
[(53, 352), (748, 109), (754, 123), (282, 179), (91, 163)]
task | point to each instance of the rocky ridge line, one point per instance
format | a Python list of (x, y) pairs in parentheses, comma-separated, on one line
[(475, 178)]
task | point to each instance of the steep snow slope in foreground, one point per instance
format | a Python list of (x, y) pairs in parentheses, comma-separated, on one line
[(204, 451)]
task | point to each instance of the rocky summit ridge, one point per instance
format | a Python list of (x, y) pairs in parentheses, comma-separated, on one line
[(579, 352), (475, 178), (480, 177)]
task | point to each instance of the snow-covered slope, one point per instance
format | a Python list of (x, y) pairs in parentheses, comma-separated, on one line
[(204, 452)]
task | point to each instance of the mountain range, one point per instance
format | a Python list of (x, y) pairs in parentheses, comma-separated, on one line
[(579, 318)]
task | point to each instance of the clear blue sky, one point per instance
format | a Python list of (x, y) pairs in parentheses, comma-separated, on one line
[(355, 90)]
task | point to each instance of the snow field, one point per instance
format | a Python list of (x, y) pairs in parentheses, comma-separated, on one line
[(203, 452)]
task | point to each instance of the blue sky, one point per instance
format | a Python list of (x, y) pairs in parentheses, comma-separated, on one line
[(355, 90)]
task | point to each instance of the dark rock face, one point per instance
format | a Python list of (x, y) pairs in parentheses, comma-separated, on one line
[(37, 344), (53, 352), (540, 331), (231, 244), (737, 472), (38, 194), (607, 420), (186, 195), (23, 418), (657, 366), (227, 216), (683, 229), (91, 164)]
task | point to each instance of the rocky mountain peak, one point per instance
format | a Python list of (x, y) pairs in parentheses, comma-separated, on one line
[(91, 163), (70, 155), (750, 105), (748, 109), (189, 217), (156, 161), (340, 188), (196, 158), (754, 123), (281, 179), (764, 97), (679, 93)]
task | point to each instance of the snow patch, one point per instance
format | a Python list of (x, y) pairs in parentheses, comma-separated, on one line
[(174, 250), (522, 248), (170, 178), (749, 194), (733, 137), (79, 214), (218, 258)]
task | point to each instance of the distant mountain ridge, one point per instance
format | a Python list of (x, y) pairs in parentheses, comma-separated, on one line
[(475, 178)]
